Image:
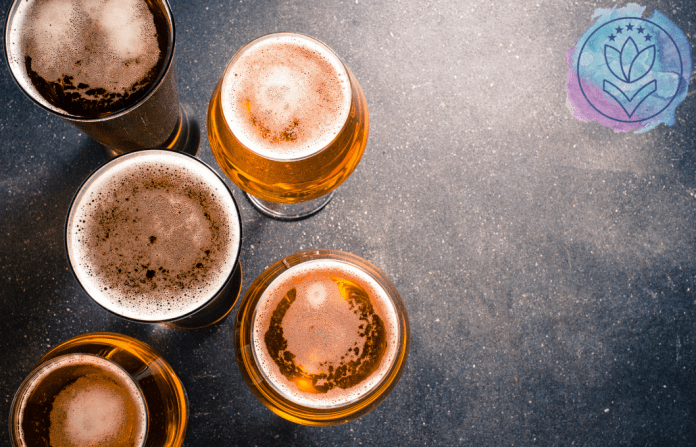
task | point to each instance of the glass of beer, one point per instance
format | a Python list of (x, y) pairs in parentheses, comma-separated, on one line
[(288, 123), (154, 236), (100, 389), (322, 337), (106, 67)]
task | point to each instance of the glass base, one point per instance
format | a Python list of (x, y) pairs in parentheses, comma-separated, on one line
[(187, 139), (290, 211)]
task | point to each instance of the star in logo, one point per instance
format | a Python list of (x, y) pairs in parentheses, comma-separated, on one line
[(618, 30), (640, 29), (648, 37), (612, 37), (629, 27)]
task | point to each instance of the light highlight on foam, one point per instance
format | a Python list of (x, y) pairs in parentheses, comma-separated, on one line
[(103, 44), (102, 408), (286, 97), (164, 256), (320, 327)]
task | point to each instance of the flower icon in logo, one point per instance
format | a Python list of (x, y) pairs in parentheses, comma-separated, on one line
[(627, 72), (630, 66)]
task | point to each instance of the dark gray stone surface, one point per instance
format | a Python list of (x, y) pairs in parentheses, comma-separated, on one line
[(548, 265)]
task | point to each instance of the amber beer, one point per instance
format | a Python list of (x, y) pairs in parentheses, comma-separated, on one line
[(106, 67), (155, 236), (288, 122), (100, 389), (322, 337)]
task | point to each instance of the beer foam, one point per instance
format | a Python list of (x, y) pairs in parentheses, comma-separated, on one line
[(100, 405), (153, 235), (87, 50), (323, 331), (286, 96)]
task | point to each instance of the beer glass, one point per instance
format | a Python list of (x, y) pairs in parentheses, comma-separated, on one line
[(100, 387), (288, 123), (322, 337), (108, 70), (154, 236)]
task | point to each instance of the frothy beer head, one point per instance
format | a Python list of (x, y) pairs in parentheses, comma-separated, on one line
[(153, 235), (325, 333), (87, 58), (286, 96), (88, 401)]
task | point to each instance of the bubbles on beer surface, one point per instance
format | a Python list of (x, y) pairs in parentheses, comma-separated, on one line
[(325, 333), (86, 57), (286, 97), (91, 402), (154, 239)]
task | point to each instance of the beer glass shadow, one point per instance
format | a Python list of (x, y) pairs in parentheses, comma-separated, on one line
[(169, 340), (276, 431)]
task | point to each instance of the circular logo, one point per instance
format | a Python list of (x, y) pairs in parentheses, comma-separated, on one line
[(629, 69)]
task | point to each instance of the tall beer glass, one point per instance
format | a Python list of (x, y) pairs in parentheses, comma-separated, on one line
[(154, 236), (100, 389), (288, 123), (105, 67), (322, 337)]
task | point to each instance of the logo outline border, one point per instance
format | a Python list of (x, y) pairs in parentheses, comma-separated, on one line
[(681, 70)]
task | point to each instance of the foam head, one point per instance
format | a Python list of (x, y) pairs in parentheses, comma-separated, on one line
[(325, 333), (153, 235), (92, 401), (85, 57), (286, 96)]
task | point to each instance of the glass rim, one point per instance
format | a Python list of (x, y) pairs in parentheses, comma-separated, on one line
[(235, 265), (320, 414), (41, 365), (168, 65), (244, 48)]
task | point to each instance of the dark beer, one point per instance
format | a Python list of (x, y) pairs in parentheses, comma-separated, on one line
[(105, 66), (89, 58), (154, 236)]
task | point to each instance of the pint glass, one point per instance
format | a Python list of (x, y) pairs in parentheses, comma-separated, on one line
[(154, 236), (322, 337), (100, 389), (288, 123), (107, 68)]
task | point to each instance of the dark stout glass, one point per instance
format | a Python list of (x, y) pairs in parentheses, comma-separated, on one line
[(105, 66), (89, 58), (155, 235), (82, 400)]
